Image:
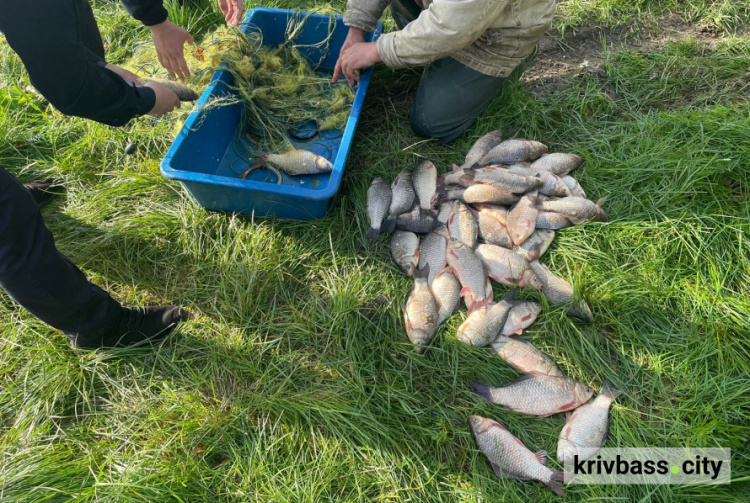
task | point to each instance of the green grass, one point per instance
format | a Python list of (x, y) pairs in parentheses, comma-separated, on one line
[(296, 382)]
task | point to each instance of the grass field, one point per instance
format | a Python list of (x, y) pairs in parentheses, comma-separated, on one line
[(296, 382)]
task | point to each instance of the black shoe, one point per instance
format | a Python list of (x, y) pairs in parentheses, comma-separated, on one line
[(43, 191), (136, 325)]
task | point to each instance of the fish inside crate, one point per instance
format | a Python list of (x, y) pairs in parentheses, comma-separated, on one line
[(216, 147)]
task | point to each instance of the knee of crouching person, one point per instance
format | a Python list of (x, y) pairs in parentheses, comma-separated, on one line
[(434, 130)]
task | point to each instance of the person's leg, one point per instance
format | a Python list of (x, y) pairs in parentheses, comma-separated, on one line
[(451, 97), (88, 30), (42, 280), (404, 12)]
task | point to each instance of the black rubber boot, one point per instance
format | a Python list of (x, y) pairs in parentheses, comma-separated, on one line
[(137, 324), (43, 191)]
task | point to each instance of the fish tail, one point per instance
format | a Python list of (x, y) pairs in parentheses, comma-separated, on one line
[(423, 273), (601, 201), (554, 483), (609, 391), (483, 390), (372, 234), (389, 225)]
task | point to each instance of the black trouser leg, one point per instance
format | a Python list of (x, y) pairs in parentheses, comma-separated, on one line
[(40, 278), (88, 30), (451, 97)]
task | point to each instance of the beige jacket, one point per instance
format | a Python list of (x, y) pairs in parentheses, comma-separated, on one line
[(490, 36)]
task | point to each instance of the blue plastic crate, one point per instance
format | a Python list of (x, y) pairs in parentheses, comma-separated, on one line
[(203, 158)]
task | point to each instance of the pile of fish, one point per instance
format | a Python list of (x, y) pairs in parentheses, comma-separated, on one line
[(493, 218)]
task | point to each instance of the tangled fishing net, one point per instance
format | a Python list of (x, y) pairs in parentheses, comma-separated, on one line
[(280, 90)]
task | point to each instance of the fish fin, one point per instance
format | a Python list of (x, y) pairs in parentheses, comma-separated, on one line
[(476, 304), (566, 407), (372, 234), (389, 225), (511, 295), (455, 167), (502, 474), (541, 456), (521, 379), (483, 390), (423, 273), (519, 331), (601, 201), (467, 181), (554, 483), (608, 391)]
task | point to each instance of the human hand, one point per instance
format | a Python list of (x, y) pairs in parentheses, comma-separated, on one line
[(166, 99), (355, 36), (357, 58), (169, 40), (126, 75), (232, 10)]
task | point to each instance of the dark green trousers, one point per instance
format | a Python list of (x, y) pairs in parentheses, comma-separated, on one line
[(451, 96)]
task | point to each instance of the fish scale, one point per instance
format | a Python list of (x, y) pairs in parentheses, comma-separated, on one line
[(481, 147), (509, 457), (585, 431), (521, 316), (432, 251), (403, 195), (447, 292), (468, 269), (462, 224), (405, 250), (512, 151), (484, 323), (491, 223), (558, 291), (420, 313), (522, 356), (522, 218), (378, 200), (537, 394), (425, 184)]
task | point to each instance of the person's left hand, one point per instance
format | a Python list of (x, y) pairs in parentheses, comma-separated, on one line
[(126, 75), (232, 10), (358, 57), (169, 40)]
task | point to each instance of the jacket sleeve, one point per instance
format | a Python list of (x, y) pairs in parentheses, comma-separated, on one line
[(66, 73), (148, 12), (364, 14), (442, 29)]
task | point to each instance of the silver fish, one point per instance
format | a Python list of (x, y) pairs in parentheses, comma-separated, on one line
[(462, 224), (575, 208), (558, 291), (405, 251), (522, 218), (574, 187), (559, 163), (468, 269), (536, 245), (444, 212), (491, 221), (447, 292), (483, 194), (432, 251), (552, 220), (512, 151), (501, 177), (586, 429), (402, 200), (553, 185), (425, 184), (484, 322), (481, 147), (417, 220), (300, 162), (420, 313), (522, 356), (378, 200), (506, 266), (510, 458), (488, 293), (537, 394), (521, 316)]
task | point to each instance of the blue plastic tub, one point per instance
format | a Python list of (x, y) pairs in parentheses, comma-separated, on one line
[(204, 160)]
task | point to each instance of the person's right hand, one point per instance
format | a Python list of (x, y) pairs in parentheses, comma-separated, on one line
[(166, 99), (355, 36), (232, 10), (169, 40)]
